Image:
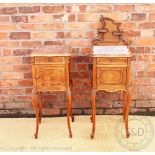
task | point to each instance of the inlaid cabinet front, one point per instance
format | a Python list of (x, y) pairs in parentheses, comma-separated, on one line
[(111, 73)]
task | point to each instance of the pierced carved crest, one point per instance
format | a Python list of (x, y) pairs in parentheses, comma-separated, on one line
[(110, 33)]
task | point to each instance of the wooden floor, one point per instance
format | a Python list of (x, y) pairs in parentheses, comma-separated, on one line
[(16, 134)]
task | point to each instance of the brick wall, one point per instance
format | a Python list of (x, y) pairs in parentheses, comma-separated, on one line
[(24, 26)]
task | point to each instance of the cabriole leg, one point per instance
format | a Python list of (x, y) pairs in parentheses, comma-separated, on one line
[(93, 114), (40, 106), (69, 113), (127, 113), (124, 103), (36, 114)]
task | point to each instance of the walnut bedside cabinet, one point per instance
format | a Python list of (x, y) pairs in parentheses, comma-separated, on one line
[(50, 70), (111, 67)]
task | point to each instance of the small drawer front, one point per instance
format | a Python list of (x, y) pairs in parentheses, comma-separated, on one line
[(49, 60), (111, 61)]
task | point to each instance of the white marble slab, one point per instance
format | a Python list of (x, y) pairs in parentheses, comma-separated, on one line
[(110, 50)]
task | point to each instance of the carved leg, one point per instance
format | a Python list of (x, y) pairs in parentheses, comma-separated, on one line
[(127, 113), (40, 106), (124, 101), (93, 115), (71, 86), (36, 113), (69, 113)]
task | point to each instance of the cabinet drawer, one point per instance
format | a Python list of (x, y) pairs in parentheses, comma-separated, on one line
[(50, 77), (49, 60), (111, 77), (111, 61)]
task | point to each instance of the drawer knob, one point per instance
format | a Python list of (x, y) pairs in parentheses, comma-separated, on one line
[(37, 76), (112, 60)]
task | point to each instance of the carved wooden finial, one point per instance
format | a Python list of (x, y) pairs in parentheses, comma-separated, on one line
[(110, 33)]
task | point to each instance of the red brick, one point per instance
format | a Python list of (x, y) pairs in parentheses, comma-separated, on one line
[(82, 67), (132, 33), (36, 26), (138, 16), (147, 33), (8, 10), (26, 60), (11, 75), (9, 60), (19, 35), (77, 34), (140, 50), (100, 8), (76, 26), (78, 42), (8, 83), (6, 99), (54, 43), (41, 18), (26, 9), (59, 17), (86, 50), (4, 68), (25, 83), (138, 111), (145, 42), (4, 35), (128, 26), (71, 17), (22, 98), (83, 8), (89, 35), (150, 74), (30, 43), (28, 75), (147, 25), (124, 8), (14, 105), (4, 19), (53, 9), (17, 19), (113, 111), (7, 27), (42, 35), (60, 35), (22, 52), (22, 67), (145, 104), (146, 7), (7, 52), (51, 112), (152, 16), (142, 81), (141, 74), (139, 66), (151, 66)]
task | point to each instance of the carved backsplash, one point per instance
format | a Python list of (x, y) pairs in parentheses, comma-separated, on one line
[(110, 33)]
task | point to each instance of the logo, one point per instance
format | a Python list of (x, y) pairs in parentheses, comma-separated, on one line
[(141, 133)]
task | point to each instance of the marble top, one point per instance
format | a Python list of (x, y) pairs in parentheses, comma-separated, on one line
[(54, 50), (110, 50)]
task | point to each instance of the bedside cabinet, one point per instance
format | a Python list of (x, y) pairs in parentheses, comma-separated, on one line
[(50, 70), (111, 67)]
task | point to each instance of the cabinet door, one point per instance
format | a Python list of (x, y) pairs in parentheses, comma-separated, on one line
[(111, 78), (50, 77)]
